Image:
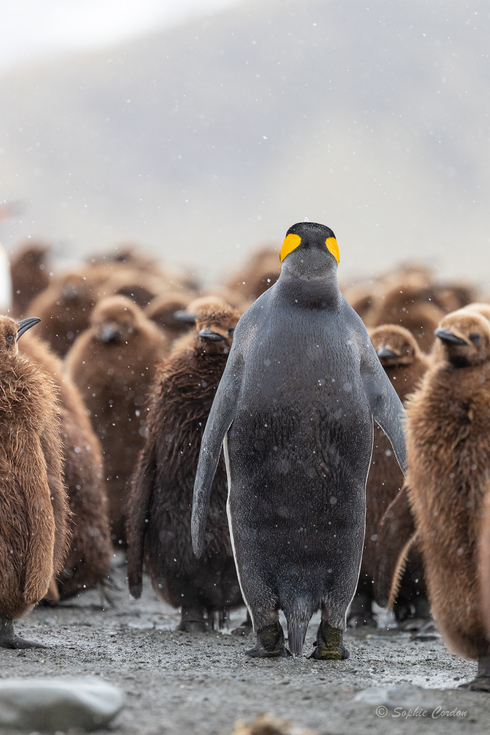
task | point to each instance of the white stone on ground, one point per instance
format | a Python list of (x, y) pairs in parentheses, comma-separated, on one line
[(58, 703)]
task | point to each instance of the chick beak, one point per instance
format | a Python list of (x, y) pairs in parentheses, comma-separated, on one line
[(208, 333), (385, 353), (183, 316), (447, 336), (26, 324), (110, 334)]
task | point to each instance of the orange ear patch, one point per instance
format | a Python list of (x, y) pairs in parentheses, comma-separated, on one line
[(333, 248), (290, 243)]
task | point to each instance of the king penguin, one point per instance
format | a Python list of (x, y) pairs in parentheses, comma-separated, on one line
[(294, 411)]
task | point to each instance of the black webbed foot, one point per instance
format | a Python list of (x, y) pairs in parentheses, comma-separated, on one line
[(328, 644), (269, 643)]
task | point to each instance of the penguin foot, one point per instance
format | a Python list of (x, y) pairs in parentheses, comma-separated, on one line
[(328, 644), (193, 626), (16, 642), (9, 639), (243, 629), (269, 643), (192, 619), (478, 684), (481, 682), (361, 620)]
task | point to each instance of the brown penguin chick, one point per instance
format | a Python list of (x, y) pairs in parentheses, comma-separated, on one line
[(113, 363), (30, 275), (136, 285), (453, 296), (161, 310), (34, 513), (448, 449), (407, 300), (258, 275), (485, 563), (404, 364), (160, 499), (88, 561), (231, 297), (210, 302), (360, 297), (125, 254), (65, 309)]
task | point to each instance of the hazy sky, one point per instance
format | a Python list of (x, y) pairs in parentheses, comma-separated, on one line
[(34, 28)]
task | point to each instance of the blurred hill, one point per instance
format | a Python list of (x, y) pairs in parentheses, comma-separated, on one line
[(206, 139)]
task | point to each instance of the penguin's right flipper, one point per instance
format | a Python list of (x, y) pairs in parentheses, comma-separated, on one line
[(386, 407), (219, 421), (141, 489), (396, 534)]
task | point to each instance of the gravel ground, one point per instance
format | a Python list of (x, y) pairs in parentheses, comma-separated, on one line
[(202, 683)]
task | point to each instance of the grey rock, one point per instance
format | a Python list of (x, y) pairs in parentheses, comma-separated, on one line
[(407, 696), (58, 703)]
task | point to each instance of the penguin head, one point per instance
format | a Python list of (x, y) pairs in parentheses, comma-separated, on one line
[(395, 346), (480, 307), (11, 331), (74, 289), (309, 246), (463, 339), (35, 255), (202, 303), (215, 326), (115, 321)]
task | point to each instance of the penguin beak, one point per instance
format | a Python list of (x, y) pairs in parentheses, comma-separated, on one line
[(26, 324), (207, 333), (110, 334), (447, 336), (183, 316), (385, 353)]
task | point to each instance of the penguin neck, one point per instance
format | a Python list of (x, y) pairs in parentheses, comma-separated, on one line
[(312, 284)]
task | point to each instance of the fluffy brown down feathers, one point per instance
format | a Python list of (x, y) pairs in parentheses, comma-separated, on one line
[(89, 557), (113, 363), (161, 491), (404, 364), (448, 446), (34, 511)]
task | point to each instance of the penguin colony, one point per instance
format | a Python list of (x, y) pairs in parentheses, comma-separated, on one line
[(122, 376)]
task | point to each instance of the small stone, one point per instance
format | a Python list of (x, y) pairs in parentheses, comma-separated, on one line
[(58, 703)]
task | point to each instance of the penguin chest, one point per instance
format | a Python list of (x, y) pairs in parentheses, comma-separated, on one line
[(302, 467)]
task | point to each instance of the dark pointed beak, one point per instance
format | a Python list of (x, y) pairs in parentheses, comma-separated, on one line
[(447, 336), (183, 316), (209, 334), (110, 334), (384, 352), (26, 324)]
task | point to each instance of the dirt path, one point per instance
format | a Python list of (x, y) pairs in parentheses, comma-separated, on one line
[(201, 684)]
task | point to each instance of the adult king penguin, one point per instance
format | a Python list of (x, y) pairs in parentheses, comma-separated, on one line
[(294, 411)]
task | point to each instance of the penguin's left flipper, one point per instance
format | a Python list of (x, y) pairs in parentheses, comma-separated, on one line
[(219, 421), (386, 407)]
